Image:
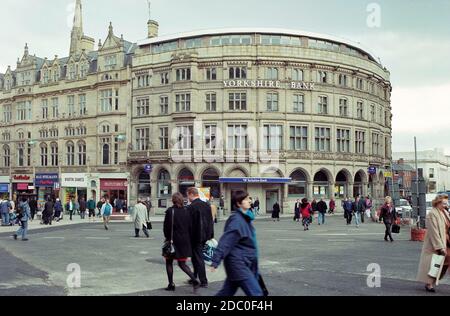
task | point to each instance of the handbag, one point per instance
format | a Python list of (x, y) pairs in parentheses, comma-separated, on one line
[(396, 229), (168, 249), (263, 286), (437, 264), (149, 226)]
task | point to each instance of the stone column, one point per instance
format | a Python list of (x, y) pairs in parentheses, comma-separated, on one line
[(309, 193), (331, 186)]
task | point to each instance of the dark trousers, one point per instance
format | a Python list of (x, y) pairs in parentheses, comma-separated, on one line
[(388, 231), (144, 229), (199, 263), (71, 214), (33, 213), (349, 218), (250, 287), (362, 216)]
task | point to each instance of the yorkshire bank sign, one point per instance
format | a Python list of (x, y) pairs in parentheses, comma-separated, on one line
[(269, 84)]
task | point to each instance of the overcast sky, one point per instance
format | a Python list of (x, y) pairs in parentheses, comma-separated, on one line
[(412, 39)]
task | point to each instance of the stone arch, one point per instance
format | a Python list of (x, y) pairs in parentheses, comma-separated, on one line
[(342, 184), (231, 172)]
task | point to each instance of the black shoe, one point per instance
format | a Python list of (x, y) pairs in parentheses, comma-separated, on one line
[(15, 237), (204, 285), (106, 227), (196, 284), (25, 239), (432, 290), (190, 282), (392, 240), (137, 236), (170, 288)]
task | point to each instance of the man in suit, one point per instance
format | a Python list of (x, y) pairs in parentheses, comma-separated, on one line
[(202, 231)]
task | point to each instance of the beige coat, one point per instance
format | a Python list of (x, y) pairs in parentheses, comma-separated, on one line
[(140, 216), (435, 240), (214, 211)]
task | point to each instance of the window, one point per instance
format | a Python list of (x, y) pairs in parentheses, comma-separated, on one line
[(343, 80), (193, 42), (72, 72), (116, 128), (6, 136), (185, 137), (431, 173), (105, 151), (211, 102), (211, 74), (110, 62), (84, 69), (343, 107), (323, 139), (238, 73), (238, 101), (143, 107), (272, 73), (44, 109), (237, 137), (183, 74), (299, 103), (142, 139), (54, 154), (380, 115), (343, 140), (81, 153), (54, 132), (7, 113), (55, 107), (6, 156), (299, 138), (43, 133), (372, 112), (105, 128), (144, 81), (360, 110), (360, 142), (359, 84), (44, 155), (183, 102), (322, 77), (71, 105), (273, 137), (107, 100), (45, 76), (371, 87), (210, 137), (55, 74), (21, 155), (164, 138), (24, 111), (376, 144), (70, 148), (164, 105), (297, 74), (164, 78), (82, 104), (323, 105), (272, 102)]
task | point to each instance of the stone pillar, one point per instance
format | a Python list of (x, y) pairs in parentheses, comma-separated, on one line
[(309, 193), (286, 208), (331, 186), (365, 189)]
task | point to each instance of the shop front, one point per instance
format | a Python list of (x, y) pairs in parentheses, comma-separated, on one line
[(47, 186), (4, 186), (74, 185), (114, 189), (22, 185)]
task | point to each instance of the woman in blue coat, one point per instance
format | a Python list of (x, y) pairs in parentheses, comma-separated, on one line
[(238, 250)]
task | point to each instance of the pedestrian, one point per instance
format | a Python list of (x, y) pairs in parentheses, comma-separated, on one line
[(177, 230), (106, 212), (347, 205), (140, 218), (369, 208), (306, 210), (238, 250), (58, 210), (276, 212), (33, 207), (5, 208), (70, 207), (222, 204), (362, 208), (332, 206), (119, 205), (202, 231), (82, 208), (99, 206), (388, 217), (357, 210), (91, 208), (213, 210), (437, 242), (314, 211), (322, 209), (149, 206), (256, 206), (47, 214), (24, 215), (297, 211)]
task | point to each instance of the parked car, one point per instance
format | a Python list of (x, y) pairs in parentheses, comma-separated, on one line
[(404, 209)]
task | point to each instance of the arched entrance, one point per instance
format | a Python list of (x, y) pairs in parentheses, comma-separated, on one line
[(358, 184), (341, 186), (210, 179), (164, 188), (298, 188), (144, 185), (185, 180), (321, 185)]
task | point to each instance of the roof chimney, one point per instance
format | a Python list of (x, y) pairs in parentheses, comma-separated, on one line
[(153, 28)]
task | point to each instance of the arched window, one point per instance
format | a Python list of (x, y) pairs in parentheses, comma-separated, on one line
[(185, 181), (54, 154), (164, 184), (321, 188), (70, 147), (210, 179), (44, 155), (105, 154), (6, 156), (298, 187), (144, 187), (21, 155), (81, 153), (341, 190)]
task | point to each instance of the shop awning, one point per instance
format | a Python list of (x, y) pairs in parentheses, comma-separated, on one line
[(255, 180)]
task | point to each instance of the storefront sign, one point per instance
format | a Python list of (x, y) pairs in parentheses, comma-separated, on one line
[(74, 180), (269, 84), (4, 187), (255, 180), (22, 186), (4, 179), (372, 170), (22, 178), (46, 180), (148, 168), (113, 184)]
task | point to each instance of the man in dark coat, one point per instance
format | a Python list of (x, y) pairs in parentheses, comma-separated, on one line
[(202, 231), (322, 209), (297, 211), (82, 208), (33, 208), (276, 211), (47, 215)]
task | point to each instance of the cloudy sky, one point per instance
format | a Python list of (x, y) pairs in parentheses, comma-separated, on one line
[(411, 37)]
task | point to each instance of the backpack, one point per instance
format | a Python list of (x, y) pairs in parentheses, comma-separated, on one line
[(107, 208)]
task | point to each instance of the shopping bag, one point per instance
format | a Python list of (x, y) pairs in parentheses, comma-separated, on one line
[(395, 229), (437, 264), (208, 251)]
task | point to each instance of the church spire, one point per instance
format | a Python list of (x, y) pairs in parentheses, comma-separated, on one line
[(77, 29)]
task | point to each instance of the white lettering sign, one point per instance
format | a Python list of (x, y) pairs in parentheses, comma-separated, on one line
[(269, 84)]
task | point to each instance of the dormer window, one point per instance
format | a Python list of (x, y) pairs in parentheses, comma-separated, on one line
[(72, 72), (84, 70), (110, 62)]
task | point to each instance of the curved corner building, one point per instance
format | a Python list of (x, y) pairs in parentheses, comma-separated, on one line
[(283, 114)]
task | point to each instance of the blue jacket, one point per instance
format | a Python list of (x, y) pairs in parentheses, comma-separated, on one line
[(5, 206), (25, 211), (238, 248)]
